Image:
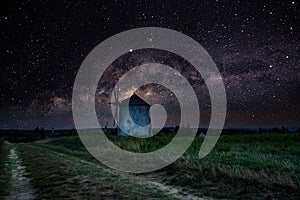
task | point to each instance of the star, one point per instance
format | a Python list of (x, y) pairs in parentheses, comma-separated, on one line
[(43, 50)]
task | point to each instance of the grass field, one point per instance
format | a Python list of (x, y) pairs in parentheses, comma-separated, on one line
[(256, 166), (5, 172), (56, 176)]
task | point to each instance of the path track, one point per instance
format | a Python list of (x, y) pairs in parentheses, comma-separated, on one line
[(176, 192), (21, 188)]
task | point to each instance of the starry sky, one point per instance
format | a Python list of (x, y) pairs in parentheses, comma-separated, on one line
[(255, 45)]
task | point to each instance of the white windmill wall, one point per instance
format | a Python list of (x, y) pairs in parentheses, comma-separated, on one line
[(140, 115)]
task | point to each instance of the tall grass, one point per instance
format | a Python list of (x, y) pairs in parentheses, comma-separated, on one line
[(255, 165), (60, 177), (5, 172)]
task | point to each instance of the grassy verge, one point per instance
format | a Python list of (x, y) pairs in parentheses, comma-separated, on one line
[(5, 172), (240, 166), (56, 177)]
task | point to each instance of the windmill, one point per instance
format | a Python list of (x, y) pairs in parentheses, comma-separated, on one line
[(117, 104)]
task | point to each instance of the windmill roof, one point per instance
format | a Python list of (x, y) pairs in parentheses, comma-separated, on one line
[(134, 100)]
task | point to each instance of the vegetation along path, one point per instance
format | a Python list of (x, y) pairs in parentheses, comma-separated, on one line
[(240, 167), (60, 175), (21, 187)]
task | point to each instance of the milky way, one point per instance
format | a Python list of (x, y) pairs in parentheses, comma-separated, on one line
[(255, 46)]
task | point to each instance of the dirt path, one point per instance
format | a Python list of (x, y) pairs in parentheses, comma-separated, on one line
[(21, 187), (176, 192)]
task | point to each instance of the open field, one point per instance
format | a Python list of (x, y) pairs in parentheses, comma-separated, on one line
[(256, 166), (5, 172)]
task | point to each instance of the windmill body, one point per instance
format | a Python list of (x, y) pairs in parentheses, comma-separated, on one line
[(137, 121)]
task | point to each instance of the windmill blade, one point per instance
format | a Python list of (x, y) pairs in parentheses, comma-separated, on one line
[(116, 96)]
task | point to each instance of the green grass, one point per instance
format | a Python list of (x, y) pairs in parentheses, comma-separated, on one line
[(58, 176), (255, 166), (269, 152), (5, 172), (248, 166)]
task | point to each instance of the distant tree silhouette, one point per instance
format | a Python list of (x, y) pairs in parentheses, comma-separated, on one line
[(105, 128), (115, 131), (284, 130), (275, 130), (261, 130), (176, 129), (73, 132), (40, 133), (188, 131)]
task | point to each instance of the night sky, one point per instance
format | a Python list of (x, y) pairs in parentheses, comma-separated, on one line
[(254, 44)]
